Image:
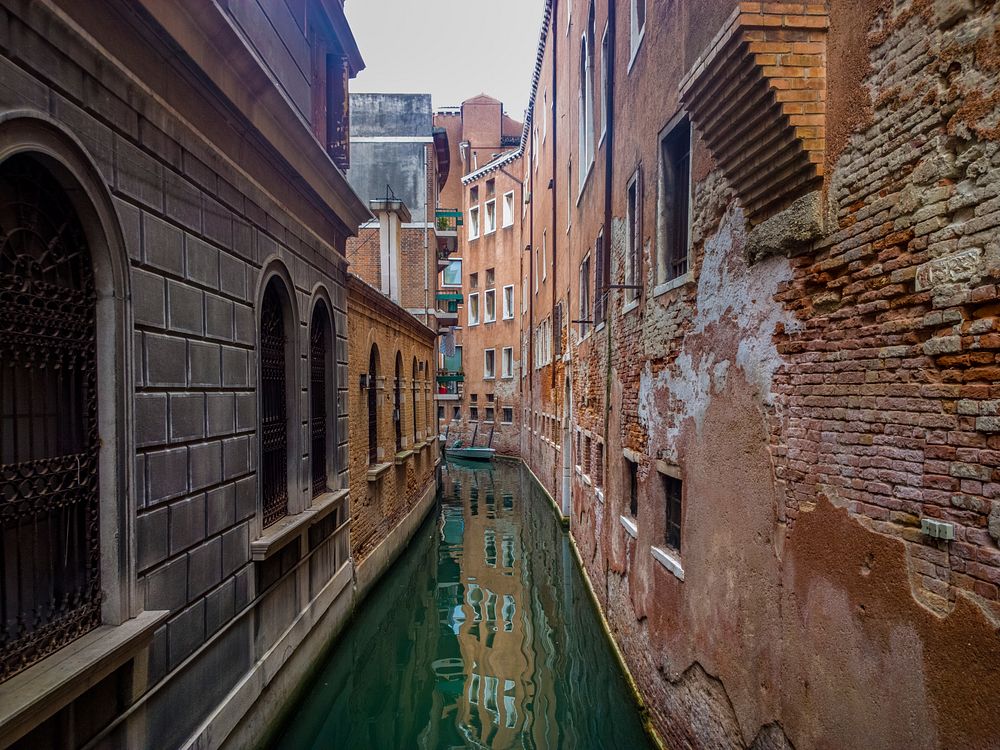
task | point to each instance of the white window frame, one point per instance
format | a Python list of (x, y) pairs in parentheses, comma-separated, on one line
[(459, 284), (664, 283), (586, 106), (488, 372), (486, 415), (545, 272), (584, 294), (490, 294), (636, 33), (507, 362), (605, 80), (491, 223), (473, 307), (508, 209), (503, 412), (508, 302), (474, 222)]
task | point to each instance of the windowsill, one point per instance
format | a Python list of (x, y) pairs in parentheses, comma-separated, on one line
[(586, 479), (473, 238), (600, 327), (507, 226), (32, 696), (508, 317), (488, 232), (630, 306), (402, 457), (490, 320), (599, 494), (604, 134), (489, 377), (505, 423), (635, 49), (630, 526), (377, 470), (677, 283), (668, 561), (281, 532)]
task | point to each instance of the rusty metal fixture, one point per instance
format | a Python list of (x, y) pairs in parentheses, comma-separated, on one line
[(50, 562)]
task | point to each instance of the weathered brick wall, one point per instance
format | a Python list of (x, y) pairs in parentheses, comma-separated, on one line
[(379, 503)]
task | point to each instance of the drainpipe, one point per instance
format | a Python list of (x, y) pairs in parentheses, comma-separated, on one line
[(428, 151), (555, 177)]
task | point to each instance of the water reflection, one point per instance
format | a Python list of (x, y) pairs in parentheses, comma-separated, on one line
[(481, 636)]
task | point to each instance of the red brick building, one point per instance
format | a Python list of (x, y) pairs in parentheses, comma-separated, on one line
[(759, 356)]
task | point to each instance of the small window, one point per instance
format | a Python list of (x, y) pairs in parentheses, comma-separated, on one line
[(473, 222), (675, 197), (474, 194), (491, 217), (440, 414), (452, 275), (473, 281), (545, 273), (491, 305), (638, 25), (490, 397), (632, 483), (473, 413), (473, 312), (601, 275), (585, 297), (474, 397), (508, 209), (490, 364), (507, 415), (491, 188), (508, 302), (673, 490), (585, 459), (633, 215), (491, 277), (490, 414), (456, 412), (507, 362)]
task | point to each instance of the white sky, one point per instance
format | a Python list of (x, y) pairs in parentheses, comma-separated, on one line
[(451, 49)]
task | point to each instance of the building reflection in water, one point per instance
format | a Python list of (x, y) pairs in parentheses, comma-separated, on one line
[(480, 636)]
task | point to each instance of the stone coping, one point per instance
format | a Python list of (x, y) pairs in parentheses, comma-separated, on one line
[(377, 470), (34, 695), (278, 534)]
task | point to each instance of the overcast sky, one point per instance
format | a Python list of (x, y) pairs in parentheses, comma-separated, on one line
[(451, 49)]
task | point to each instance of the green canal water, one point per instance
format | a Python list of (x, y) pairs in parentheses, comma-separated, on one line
[(482, 635)]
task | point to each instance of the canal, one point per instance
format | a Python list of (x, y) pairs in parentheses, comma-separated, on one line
[(481, 635)]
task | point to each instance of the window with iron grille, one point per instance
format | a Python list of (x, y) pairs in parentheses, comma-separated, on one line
[(320, 346), (50, 558), (397, 403), (274, 421), (414, 388), (673, 491), (675, 196), (372, 406)]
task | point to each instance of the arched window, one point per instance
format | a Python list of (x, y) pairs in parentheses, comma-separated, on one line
[(413, 385), (429, 412), (372, 406), (397, 410), (274, 379), (322, 399), (50, 553)]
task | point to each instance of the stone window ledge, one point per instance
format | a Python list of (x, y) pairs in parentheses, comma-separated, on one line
[(599, 494), (630, 526), (671, 470), (669, 286), (630, 306), (669, 561), (402, 457), (377, 470), (280, 533), (34, 695)]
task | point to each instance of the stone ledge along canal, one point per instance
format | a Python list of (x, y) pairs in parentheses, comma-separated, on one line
[(481, 635)]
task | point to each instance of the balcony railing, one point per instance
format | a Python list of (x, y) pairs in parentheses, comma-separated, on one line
[(448, 220)]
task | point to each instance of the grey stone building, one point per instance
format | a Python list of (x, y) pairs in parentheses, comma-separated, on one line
[(173, 429)]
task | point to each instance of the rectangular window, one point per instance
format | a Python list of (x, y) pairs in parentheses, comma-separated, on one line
[(440, 414), (473, 281), (507, 415), (491, 305), (491, 277), (633, 212), (632, 483), (508, 302), (507, 362), (545, 273), (598, 475), (452, 275), (473, 413), (456, 412), (675, 199), (538, 262), (473, 313), (605, 108), (585, 297), (508, 209), (490, 364), (473, 222), (637, 26), (600, 279), (491, 188), (673, 490), (491, 216), (490, 414)]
